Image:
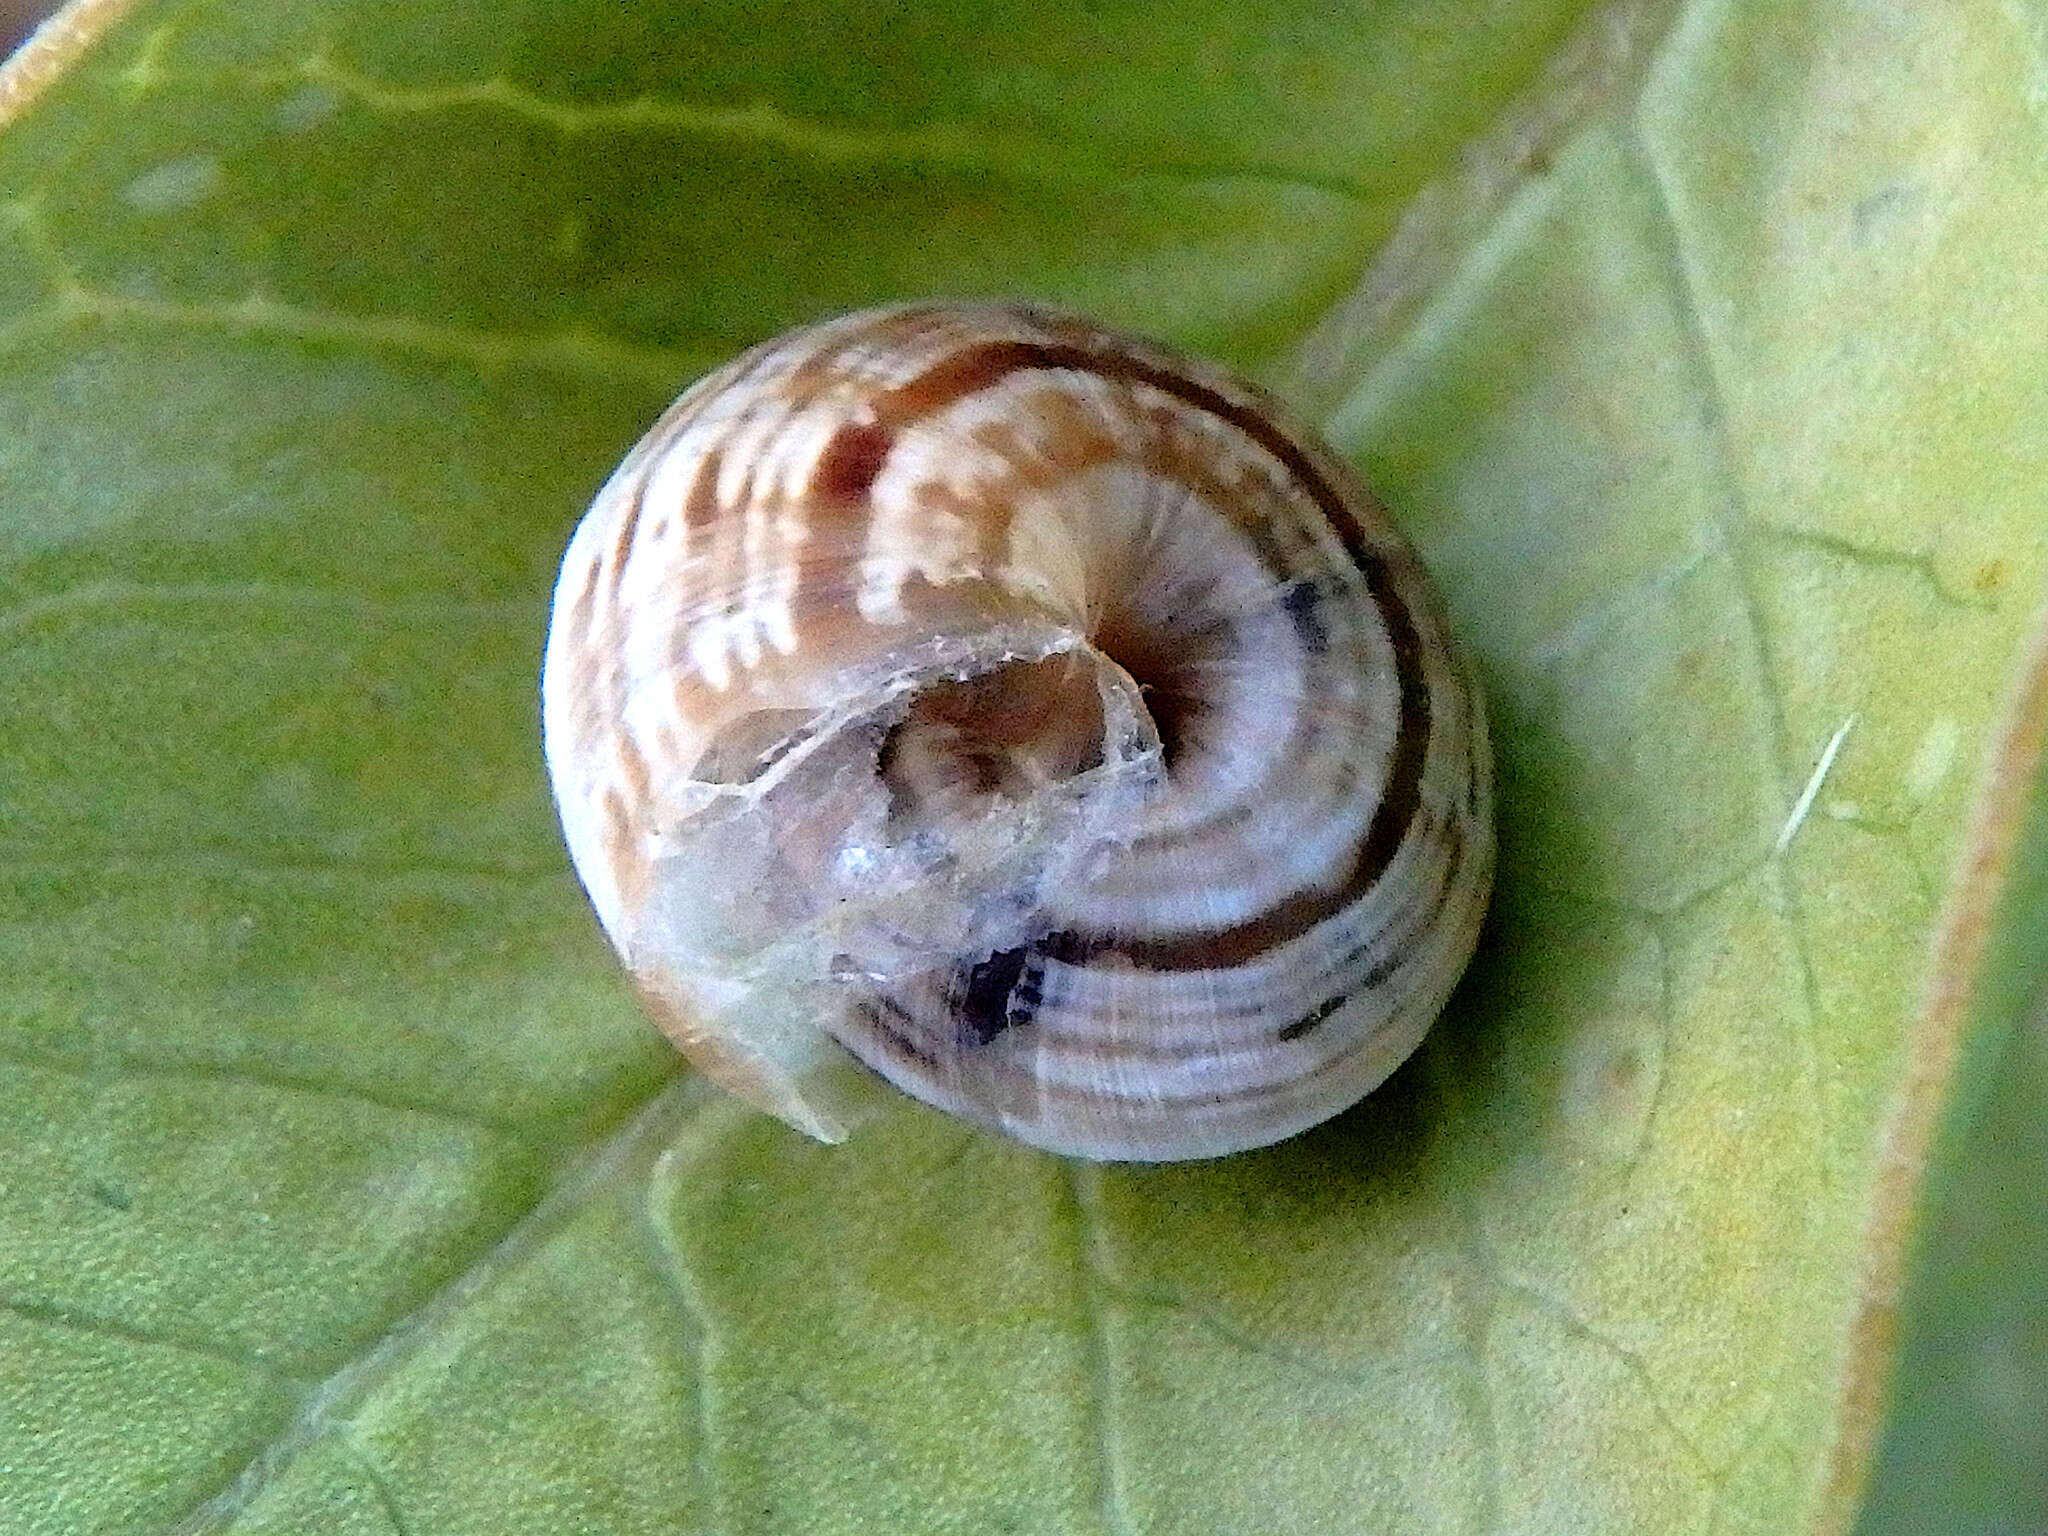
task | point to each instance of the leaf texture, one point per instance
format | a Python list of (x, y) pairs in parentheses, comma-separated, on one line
[(341, 1187)]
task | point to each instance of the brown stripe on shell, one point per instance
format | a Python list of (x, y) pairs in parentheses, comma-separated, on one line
[(633, 768), (1020, 965), (583, 609), (700, 505), (984, 995), (1126, 1053), (984, 367), (629, 525), (851, 460), (1257, 417), (876, 1012), (1400, 799), (1396, 945)]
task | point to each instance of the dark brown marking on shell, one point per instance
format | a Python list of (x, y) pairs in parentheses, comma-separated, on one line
[(853, 457), (903, 1030), (1398, 946), (700, 502), (1475, 778), (622, 542), (876, 1013), (966, 372), (1315, 1018), (981, 366), (986, 996), (1301, 600)]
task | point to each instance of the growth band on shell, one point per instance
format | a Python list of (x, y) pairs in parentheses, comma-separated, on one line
[(1032, 713)]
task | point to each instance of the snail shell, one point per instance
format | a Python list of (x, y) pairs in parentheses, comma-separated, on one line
[(1034, 713)]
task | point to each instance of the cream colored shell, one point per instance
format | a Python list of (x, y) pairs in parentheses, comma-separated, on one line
[(1029, 710)]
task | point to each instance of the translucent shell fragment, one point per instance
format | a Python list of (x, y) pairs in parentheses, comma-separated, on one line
[(1030, 712)]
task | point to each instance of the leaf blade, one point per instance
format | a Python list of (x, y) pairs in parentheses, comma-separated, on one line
[(301, 438)]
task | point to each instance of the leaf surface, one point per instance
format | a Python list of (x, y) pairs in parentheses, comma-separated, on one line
[(344, 1190)]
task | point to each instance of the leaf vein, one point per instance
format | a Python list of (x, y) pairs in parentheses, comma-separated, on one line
[(379, 1483), (1633, 1363), (576, 349), (1030, 159), (1874, 557), (673, 1269), (1668, 239), (1084, 1202), (1599, 63), (196, 858), (107, 1074), (51, 1314), (87, 596), (652, 1125)]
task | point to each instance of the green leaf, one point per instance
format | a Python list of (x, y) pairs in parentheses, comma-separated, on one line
[(342, 1188), (1967, 1448)]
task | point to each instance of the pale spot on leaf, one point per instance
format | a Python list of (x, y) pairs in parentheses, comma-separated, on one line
[(175, 185)]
